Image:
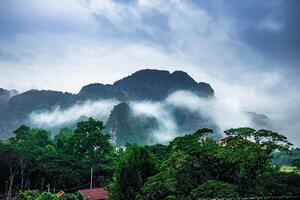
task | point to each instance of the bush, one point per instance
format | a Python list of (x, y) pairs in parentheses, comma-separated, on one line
[(76, 196), (215, 189), (48, 196), (28, 195), (36, 195)]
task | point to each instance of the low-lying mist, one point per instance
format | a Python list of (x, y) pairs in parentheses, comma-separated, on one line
[(168, 129), (225, 113), (56, 117)]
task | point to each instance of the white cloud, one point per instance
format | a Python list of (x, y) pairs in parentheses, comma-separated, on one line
[(226, 112), (57, 117), (167, 126)]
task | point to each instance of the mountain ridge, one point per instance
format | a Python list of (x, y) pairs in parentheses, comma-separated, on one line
[(147, 84)]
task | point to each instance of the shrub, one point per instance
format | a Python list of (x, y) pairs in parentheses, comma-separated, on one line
[(36, 195), (48, 196), (215, 189), (28, 195), (76, 196)]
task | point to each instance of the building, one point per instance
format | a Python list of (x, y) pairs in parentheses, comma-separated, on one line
[(95, 193)]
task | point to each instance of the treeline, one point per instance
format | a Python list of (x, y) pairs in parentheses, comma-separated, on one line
[(32, 159), (189, 167), (194, 166), (287, 158)]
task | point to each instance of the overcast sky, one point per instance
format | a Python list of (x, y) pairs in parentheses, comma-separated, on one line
[(249, 51)]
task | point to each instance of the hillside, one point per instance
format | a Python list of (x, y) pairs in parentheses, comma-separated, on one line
[(144, 85)]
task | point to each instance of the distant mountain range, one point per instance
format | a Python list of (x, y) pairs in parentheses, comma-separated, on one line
[(122, 124)]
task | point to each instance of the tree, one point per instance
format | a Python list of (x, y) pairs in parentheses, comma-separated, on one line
[(93, 149), (191, 160), (22, 132), (215, 189), (158, 150), (133, 168), (28, 144), (252, 150), (189, 141), (10, 158), (159, 186), (266, 139), (296, 163)]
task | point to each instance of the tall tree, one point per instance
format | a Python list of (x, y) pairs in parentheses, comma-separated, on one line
[(93, 149), (133, 168)]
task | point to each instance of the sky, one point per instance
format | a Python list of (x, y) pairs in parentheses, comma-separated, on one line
[(249, 51)]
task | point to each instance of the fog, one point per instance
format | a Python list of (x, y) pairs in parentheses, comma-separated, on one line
[(167, 126), (58, 117), (226, 112)]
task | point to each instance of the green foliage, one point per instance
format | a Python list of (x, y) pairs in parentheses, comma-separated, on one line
[(28, 195), (196, 166), (48, 196), (215, 189), (91, 148), (189, 167), (284, 158), (158, 150), (33, 158), (296, 163), (76, 196), (133, 168), (159, 186), (266, 139), (36, 195)]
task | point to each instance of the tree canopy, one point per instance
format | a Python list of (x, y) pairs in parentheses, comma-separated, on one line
[(188, 167)]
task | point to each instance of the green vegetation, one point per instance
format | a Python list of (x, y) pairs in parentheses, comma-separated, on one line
[(296, 163), (36, 195), (195, 166), (189, 167), (34, 160), (286, 158)]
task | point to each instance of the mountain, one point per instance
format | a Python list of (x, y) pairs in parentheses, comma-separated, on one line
[(100, 91), (260, 121), (157, 85), (5, 95), (125, 127), (122, 124)]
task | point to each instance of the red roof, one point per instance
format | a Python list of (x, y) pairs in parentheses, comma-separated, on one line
[(95, 193)]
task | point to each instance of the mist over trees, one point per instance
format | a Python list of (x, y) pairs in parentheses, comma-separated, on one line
[(189, 167)]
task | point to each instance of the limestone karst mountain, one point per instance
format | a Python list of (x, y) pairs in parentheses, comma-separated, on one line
[(144, 85)]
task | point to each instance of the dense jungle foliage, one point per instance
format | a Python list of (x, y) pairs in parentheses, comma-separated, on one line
[(189, 167)]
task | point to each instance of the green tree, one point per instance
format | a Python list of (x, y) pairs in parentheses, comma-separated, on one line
[(29, 144), (9, 159), (252, 150), (93, 149), (296, 163), (133, 168), (215, 189)]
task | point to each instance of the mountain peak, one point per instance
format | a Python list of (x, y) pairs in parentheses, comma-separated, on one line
[(158, 84), (5, 95), (146, 84)]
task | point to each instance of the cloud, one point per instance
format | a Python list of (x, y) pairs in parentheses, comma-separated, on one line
[(246, 50), (166, 123), (225, 112), (271, 25), (63, 117)]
